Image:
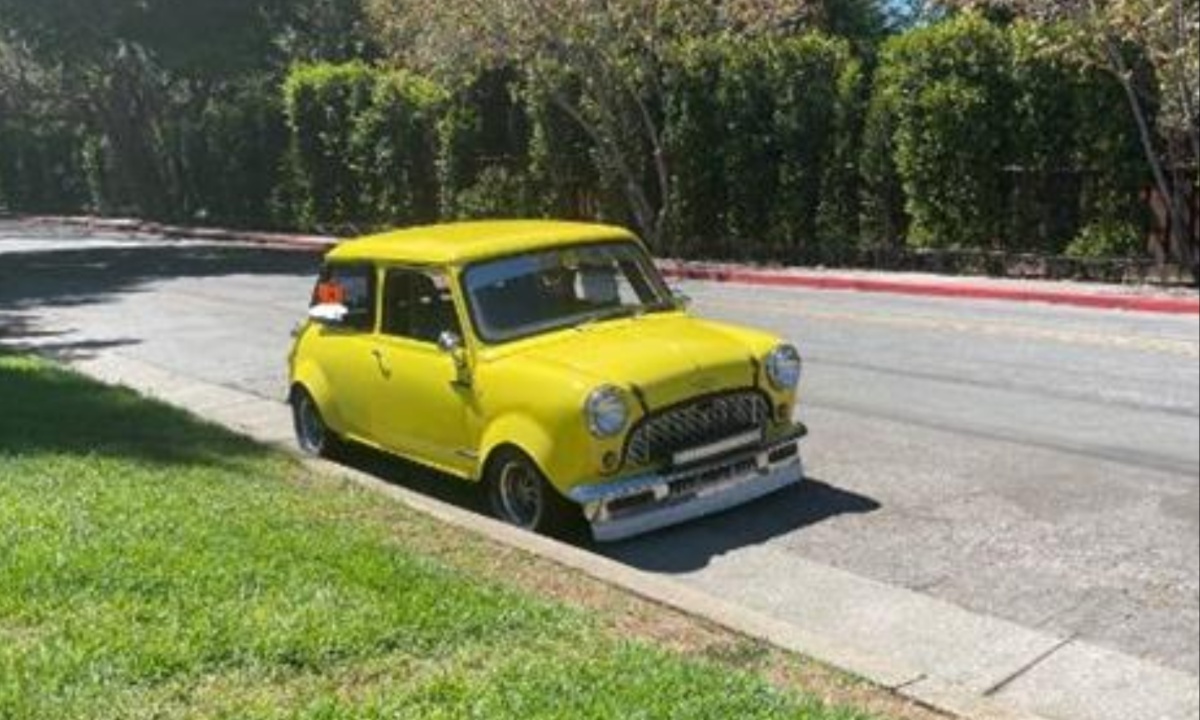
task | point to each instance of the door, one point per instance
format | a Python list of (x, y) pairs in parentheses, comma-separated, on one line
[(421, 411), (343, 351)]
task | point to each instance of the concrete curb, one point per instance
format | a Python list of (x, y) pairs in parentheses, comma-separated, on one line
[(899, 284)]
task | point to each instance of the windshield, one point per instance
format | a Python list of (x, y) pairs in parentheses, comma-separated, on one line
[(536, 292)]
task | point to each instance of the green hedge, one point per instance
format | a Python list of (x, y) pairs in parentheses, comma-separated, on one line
[(952, 94), (41, 166), (998, 142), (762, 137), (363, 146), (232, 154), (484, 156), (968, 135)]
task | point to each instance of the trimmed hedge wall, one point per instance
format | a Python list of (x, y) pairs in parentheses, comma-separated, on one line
[(762, 138), (999, 144), (967, 135), (363, 147)]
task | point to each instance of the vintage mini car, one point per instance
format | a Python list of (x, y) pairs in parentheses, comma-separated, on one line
[(550, 362)]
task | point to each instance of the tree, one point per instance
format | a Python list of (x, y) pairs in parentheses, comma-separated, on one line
[(1118, 36), (599, 63), (142, 76)]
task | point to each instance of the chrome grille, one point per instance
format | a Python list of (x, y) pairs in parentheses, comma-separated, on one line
[(695, 423)]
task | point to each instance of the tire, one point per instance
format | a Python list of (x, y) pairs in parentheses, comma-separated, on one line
[(312, 434), (519, 494)]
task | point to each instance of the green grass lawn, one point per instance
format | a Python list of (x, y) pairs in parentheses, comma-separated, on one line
[(154, 566)]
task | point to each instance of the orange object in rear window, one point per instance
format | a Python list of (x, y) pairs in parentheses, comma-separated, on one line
[(329, 293)]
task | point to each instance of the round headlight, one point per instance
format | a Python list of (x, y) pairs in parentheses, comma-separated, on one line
[(784, 367), (606, 411)]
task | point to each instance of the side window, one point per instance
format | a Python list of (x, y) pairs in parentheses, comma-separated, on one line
[(352, 286), (418, 305)]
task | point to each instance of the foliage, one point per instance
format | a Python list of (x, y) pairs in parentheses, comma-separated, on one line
[(485, 139), (231, 153), (882, 218), (603, 68), (1152, 49), (759, 134), (997, 143), (363, 146), (1106, 238), (759, 129), (40, 167), (949, 86), (1075, 156), (148, 84)]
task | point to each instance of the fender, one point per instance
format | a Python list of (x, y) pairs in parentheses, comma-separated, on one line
[(310, 375), (524, 433)]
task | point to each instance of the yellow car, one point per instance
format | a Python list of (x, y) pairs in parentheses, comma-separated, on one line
[(550, 362)]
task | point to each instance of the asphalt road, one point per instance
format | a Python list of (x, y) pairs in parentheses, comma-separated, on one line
[(1033, 463)]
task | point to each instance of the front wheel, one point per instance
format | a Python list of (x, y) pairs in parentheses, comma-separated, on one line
[(312, 434), (520, 495)]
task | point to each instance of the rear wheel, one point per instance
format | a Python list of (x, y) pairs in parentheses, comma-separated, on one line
[(520, 495), (312, 434)]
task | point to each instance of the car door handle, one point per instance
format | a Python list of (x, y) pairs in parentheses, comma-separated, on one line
[(382, 363)]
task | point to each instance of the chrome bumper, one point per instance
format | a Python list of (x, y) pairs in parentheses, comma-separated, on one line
[(624, 508)]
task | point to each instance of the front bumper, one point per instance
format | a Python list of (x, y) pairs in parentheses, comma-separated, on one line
[(624, 508)]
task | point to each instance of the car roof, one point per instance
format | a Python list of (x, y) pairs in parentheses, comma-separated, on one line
[(464, 242)]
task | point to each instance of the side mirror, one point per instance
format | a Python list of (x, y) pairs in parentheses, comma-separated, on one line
[(331, 314), (451, 343), (683, 301)]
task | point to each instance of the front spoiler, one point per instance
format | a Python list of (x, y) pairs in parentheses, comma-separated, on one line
[(625, 508)]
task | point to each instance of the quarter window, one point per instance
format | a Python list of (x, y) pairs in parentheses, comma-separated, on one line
[(418, 305), (352, 286)]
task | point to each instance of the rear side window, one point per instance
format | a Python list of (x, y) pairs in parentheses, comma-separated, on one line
[(352, 286)]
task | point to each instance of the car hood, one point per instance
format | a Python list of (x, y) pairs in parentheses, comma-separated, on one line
[(665, 358)]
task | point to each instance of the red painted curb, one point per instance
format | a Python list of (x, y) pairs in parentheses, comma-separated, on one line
[(1132, 303)]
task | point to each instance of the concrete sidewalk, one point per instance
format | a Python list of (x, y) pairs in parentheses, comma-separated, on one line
[(963, 663), (1077, 294)]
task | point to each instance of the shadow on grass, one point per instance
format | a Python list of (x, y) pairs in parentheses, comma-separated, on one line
[(442, 487), (48, 411), (412, 476)]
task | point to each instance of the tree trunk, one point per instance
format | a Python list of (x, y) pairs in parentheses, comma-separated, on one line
[(1179, 244)]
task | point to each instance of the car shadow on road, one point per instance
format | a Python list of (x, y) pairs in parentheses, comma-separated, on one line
[(692, 546), (680, 549)]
